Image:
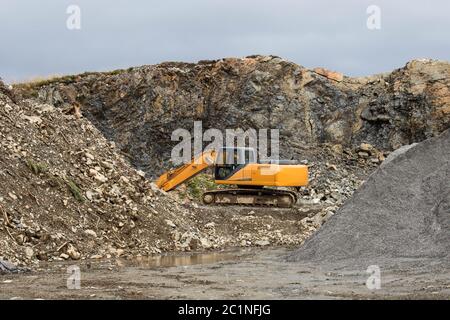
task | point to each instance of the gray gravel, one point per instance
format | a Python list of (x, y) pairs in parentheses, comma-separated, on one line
[(401, 211), (7, 267)]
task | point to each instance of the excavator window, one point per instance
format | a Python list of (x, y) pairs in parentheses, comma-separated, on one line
[(231, 159), (249, 156), (223, 172), (225, 163)]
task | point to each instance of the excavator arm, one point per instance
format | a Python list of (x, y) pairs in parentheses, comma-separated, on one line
[(172, 178)]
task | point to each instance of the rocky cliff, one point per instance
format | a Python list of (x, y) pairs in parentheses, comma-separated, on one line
[(138, 108)]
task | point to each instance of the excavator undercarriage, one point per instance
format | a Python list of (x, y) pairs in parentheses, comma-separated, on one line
[(251, 197)]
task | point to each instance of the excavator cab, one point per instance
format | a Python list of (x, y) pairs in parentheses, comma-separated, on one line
[(231, 160)]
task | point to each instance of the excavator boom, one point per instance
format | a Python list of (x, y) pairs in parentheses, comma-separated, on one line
[(171, 179)]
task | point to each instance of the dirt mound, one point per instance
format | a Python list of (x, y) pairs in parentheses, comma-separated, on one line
[(68, 193), (401, 211)]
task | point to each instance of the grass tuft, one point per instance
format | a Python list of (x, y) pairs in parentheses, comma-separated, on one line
[(36, 167), (199, 184), (75, 190)]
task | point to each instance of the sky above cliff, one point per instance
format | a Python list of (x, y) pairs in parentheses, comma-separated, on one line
[(41, 38)]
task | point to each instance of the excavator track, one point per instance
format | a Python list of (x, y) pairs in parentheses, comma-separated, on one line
[(251, 197)]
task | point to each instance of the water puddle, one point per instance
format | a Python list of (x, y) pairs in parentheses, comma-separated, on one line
[(172, 260)]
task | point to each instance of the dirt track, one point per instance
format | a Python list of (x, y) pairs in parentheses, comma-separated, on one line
[(245, 274)]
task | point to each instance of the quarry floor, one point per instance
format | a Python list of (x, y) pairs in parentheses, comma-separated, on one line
[(232, 274)]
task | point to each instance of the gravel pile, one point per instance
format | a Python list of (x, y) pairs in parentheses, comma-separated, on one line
[(401, 211), (67, 193)]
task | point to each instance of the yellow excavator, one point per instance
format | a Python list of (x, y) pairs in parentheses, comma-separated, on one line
[(238, 166)]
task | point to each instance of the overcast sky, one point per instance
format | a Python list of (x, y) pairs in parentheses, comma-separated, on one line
[(35, 41)]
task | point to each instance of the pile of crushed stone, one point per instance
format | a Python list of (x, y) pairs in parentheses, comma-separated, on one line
[(67, 193), (401, 211)]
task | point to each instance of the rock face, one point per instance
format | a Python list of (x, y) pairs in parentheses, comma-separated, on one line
[(336, 76), (138, 108)]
